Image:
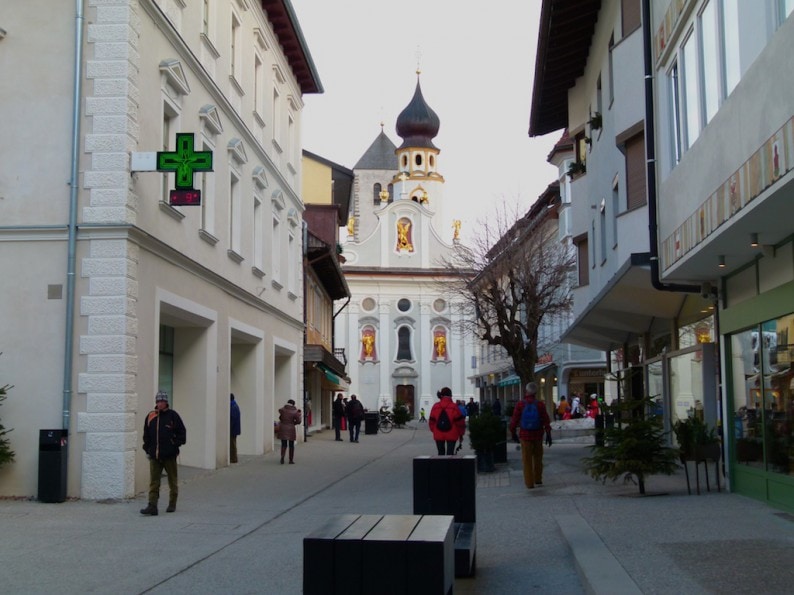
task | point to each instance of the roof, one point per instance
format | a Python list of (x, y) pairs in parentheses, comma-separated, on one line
[(286, 27), (380, 155), (564, 38)]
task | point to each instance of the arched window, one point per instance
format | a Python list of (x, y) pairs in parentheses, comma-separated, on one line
[(404, 344), (391, 192), (376, 193)]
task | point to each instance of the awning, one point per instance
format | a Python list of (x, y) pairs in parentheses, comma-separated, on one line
[(509, 380), (544, 367), (337, 382), (627, 306)]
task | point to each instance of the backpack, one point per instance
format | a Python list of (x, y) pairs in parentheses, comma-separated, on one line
[(530, 417), (444, 424)]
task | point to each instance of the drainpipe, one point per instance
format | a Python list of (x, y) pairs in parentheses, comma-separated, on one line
[(72, 241), (650, 160)]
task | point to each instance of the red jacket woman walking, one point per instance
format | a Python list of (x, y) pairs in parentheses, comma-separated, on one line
[(446, 422)]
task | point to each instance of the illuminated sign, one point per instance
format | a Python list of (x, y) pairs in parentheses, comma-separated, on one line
[(184, 162)]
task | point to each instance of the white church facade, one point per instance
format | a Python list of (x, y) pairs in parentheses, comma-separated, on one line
[(404, 332)]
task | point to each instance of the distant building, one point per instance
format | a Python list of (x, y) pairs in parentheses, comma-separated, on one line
[(199, 301), (402, 331)]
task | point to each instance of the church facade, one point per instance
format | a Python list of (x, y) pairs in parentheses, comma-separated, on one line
[(404, 333)]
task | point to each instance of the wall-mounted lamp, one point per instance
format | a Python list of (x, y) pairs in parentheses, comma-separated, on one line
[(754, 240), (721, 261)]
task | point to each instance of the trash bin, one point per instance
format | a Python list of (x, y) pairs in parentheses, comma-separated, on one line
[(371, 422), (53, 446)]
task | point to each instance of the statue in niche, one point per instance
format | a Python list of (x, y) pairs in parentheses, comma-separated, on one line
[(368, 344), (403, 235), (440, 344), (351, 226)]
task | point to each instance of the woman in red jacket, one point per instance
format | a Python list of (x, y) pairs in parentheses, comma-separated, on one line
[(446, 422)]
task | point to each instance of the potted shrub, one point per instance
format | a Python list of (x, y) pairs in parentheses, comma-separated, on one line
[(576, 168), (486, 431), (401, 414), (6, 454), (696, 440), (596, 121), (635, 448)]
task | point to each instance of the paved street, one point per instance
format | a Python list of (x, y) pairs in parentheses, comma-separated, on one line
[(240, 529)]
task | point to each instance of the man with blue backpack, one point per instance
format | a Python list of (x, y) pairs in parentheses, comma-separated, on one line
[(532, 420)]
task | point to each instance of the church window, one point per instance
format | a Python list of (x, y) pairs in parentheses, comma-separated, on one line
[(418, 159), (405, 161), (376, 193), (431, 160), (439, 305), (368, 304), (404, 305), (391, 192), (404, 344)]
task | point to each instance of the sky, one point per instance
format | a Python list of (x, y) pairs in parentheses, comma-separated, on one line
[(477, 68)]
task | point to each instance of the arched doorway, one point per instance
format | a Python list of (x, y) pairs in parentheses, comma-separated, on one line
[(405, 394)]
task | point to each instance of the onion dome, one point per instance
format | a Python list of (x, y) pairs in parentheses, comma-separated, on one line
[(418, 124)]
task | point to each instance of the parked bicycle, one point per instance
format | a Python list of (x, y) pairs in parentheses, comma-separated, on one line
[(386, 422)]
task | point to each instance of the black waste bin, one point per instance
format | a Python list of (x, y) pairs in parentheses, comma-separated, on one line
[(371, 422), (53, 446)]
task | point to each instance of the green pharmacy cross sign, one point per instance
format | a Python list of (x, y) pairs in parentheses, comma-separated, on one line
[(184, 162)]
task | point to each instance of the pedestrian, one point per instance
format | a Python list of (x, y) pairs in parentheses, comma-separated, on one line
[(472, 408), (289, 416), (462, 406), (355, 414), (447, 422), (567, 414), (531, 428), (163, 434), (575, 412), (338, 413), (234, 428), (422, 417), (497, 407), (592, 408), (558, 413)]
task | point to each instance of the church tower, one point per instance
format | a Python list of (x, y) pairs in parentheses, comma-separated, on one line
[(402, 330)]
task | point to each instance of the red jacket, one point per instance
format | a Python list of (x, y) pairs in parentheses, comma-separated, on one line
[(515, 421), (455, 416)]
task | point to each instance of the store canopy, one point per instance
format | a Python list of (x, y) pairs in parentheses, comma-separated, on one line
[(339, 383), (509, 380)]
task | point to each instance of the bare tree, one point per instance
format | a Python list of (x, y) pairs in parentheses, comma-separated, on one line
[(519, 276)]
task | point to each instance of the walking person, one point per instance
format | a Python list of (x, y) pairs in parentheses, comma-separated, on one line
[(234, 428), (496, 408), (163, 434), (447, 422), (532, 419), (422, 418), (355, 415), (338, 413), (289, 416)]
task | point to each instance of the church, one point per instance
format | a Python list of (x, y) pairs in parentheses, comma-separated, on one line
[(403, 331)]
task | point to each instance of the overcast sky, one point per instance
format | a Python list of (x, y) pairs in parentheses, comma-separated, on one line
[(477, 66)]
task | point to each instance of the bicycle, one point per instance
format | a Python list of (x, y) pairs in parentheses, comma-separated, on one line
[(386, 423)]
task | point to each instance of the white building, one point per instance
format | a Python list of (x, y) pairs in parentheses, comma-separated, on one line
[(402, 331), (200, 301)]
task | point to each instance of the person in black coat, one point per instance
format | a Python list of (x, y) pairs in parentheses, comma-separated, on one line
[(338, 411), (163, 434)]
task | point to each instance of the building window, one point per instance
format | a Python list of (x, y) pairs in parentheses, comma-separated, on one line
[(582, 260), (615, 210), (635, 172), (207, 185), (730, 44), (376, 194), (602, 225), (259, 231), (676, 132), (709, 48), (611, 70), (235, 216), (689, 99), (630, 13), (170, 128), (403, 305), (235, 49), (275, 250), (404, 344), (292, 267)]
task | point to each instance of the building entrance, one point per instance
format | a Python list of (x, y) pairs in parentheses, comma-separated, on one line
[(405, 395)]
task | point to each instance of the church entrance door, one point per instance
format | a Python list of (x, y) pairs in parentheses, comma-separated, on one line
[(405, 394)]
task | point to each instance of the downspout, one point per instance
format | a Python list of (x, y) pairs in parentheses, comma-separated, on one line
[(72, 239), (650, 160)]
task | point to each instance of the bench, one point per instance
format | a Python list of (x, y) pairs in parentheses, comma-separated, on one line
[(389, 554), (447, 485)]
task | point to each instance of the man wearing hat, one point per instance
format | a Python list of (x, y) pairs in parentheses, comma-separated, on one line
[(163, 434)]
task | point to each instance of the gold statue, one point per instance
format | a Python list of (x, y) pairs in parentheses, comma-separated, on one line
[(368, 341), (440, 341), (424, 199), (403, 243), (456, 227), (384, 196), (351, 226)]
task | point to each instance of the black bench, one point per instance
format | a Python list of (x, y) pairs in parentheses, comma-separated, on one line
[(447, 485), (389, 554)]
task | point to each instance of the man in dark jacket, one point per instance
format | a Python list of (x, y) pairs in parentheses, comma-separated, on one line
[(355, 414), (338, 412), (234, 428), (163, 434), (532, 439)]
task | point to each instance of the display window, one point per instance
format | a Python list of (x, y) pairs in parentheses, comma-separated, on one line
[(763, 407)]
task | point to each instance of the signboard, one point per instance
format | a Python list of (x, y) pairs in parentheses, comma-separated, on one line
[(184, 162)]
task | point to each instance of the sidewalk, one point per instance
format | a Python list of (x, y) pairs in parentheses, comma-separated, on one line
[(241, 528)]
